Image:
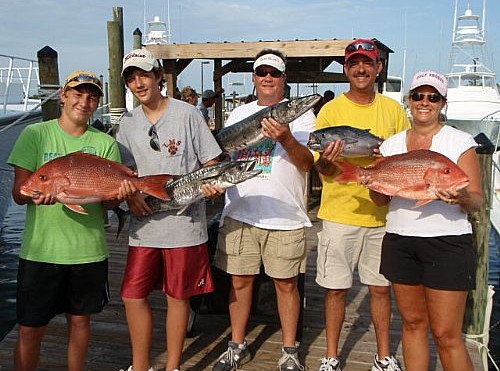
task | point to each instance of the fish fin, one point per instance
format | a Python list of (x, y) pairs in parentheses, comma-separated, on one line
[(76, 208), (349, 172), (122, 216), (154, 185)]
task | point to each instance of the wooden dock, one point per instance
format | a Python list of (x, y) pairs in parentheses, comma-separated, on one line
[(110, 346)]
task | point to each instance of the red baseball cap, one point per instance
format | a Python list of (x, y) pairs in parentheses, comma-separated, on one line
[(361, 47)]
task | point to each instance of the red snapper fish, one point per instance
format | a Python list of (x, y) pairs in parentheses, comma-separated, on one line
[(81, 178), (414, 175)]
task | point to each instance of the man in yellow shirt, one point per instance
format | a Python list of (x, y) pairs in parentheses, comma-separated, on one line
[(353, 226)]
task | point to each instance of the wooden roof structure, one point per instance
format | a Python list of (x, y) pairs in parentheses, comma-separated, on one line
[(307, 60)]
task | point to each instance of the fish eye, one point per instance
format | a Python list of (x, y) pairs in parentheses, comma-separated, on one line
[(43, 178), (447, 170)]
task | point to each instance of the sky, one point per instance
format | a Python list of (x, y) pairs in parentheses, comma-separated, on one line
[(419, 32)]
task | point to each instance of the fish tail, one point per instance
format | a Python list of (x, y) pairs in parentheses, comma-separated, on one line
[(122, 216), (349, 172), (154, 185)]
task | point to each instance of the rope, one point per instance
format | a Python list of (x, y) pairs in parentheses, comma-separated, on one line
[(20, 119), (471, 339)]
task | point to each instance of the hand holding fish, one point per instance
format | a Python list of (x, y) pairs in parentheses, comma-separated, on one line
[(451, 196), (211, 191), (126, 190), (137, 204), (274, 130), (326, 162), (44, 199)]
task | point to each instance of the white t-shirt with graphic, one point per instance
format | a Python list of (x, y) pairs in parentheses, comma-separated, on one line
[(275, 198)]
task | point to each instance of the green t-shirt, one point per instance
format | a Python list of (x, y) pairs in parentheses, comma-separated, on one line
[(54, 233)]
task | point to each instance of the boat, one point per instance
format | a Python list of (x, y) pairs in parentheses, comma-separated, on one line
[(19, 104), (473, 96)]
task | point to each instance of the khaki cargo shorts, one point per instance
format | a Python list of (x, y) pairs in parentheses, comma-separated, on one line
[(242, 249), (342, 248)]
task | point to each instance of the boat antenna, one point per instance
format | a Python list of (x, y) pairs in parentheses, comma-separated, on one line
[(144, 25)]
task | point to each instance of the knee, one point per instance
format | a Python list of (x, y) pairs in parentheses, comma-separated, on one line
[(335, 295), (446, 338), (79, 322), (380, 292), (286, 286), (415, 323), (240, 283)]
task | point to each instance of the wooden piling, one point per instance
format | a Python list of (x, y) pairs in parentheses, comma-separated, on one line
[(137, 35), (49, 81), (480, 220), (115, 47)]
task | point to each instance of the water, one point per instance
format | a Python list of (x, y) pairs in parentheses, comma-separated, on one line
[(494, 279), (10, 242)]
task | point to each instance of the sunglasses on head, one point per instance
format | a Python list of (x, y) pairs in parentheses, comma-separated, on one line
[(433, 97), (263, 73), (361, 45), (154, 142), (83, 77)]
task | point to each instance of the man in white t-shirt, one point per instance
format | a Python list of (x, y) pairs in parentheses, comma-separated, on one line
[(264, 218)]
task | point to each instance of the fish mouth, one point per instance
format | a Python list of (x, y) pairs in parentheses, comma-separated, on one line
[(29, 192)]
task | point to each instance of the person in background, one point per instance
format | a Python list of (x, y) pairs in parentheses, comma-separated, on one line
[(208, 98), (264, 218), (63, 262), (353, 225), (189, 95), (168, 251), (427, 252), (328, 95)]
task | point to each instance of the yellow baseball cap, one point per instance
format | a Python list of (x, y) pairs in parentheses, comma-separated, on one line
[(83, 77)]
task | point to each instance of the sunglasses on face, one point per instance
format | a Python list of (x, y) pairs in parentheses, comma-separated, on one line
[(154, 142), (433, 97), (263, 73), (362, 45), (85, 78)]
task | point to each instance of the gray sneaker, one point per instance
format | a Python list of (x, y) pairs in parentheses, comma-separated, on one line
[(330, 364), (232, 358), (289, 361)]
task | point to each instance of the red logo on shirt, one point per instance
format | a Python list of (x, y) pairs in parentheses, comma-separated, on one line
[(173, 146)]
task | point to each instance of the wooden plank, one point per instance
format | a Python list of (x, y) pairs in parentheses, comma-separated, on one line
[(110, 345)]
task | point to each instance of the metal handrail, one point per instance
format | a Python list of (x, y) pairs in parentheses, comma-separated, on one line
[(25, 75)]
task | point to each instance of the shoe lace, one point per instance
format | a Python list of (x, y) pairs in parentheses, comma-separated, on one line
[(389, 364), (230, 356), (328, 364), (290, 361), (393, 362)]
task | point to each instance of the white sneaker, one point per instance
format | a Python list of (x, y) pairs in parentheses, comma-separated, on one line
[(387, 364), (131, 369), (330, 364)]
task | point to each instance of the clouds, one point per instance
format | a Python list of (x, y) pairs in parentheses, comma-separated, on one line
[(78, 30)]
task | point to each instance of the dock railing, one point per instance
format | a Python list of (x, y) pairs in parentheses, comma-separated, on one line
[(19, 81)]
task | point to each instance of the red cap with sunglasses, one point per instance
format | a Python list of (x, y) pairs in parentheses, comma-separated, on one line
[(361, 47)]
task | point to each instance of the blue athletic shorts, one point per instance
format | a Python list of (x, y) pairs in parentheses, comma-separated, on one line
[(45, 290)]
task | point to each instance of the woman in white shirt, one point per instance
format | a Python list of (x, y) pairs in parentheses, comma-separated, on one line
[(427, 252)]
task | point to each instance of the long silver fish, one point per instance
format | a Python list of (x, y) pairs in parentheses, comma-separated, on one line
[(248, 131), (187, 189), (357, 142)]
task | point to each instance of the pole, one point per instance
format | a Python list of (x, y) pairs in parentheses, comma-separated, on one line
[(49, 80), (115, 46), (137, 45)]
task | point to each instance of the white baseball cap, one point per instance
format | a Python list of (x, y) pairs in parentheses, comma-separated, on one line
[(271, 60), (431, 78), (140, 58)]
